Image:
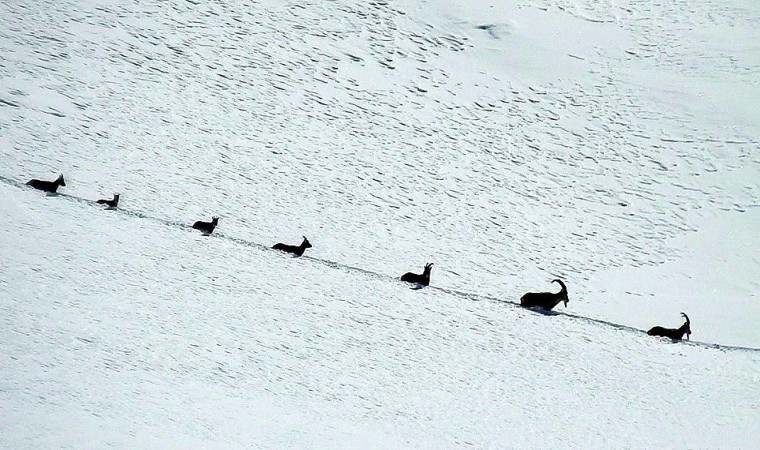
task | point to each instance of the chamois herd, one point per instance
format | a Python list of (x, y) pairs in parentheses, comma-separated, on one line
[(534, 300)]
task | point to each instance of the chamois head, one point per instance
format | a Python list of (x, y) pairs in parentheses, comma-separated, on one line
[(215, 221), (686, 327), (60, 181), (426, 271), (563, 292), (305, 243)]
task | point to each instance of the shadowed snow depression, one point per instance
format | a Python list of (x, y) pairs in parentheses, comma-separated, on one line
[(480, 149)]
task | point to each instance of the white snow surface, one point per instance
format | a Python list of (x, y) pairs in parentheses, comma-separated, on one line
[(613, 144)]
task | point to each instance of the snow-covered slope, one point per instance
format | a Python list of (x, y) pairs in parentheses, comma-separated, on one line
[(613, 145)]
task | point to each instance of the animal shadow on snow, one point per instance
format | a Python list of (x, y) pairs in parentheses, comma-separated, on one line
[(667, 340), (542, 311), (107, 208)]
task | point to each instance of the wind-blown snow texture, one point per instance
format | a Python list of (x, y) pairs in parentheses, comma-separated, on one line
[(612, 144)]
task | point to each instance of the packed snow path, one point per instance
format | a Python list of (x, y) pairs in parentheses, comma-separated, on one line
[(337, 265)]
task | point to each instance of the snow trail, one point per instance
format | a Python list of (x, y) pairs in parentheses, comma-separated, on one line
[(337, 265)]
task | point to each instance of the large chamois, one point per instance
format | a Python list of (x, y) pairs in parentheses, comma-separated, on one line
[(545, 300), (673, 333)]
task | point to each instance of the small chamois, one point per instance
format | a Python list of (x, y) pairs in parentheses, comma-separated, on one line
[(207, 227), (422, 279), (297, 250), (47, 186), (673, 333), (110, 203)]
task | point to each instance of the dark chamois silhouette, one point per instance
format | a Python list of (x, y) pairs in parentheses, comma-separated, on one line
[(673, 333), (206, 227), (421, 279), (545, 300), (294, 249), (110, 203), (47, 186)]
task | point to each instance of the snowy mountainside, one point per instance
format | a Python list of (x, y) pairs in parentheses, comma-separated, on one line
[(613, 145), (391, 109), (165, 337)]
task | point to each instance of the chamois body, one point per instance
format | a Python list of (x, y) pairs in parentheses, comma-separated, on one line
[(47, 186), (673, 333), (110, 203), (206, 227), (294, 249), (421, 279), (545, 300)]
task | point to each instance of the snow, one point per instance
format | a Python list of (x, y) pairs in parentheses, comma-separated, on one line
[(611, 144)]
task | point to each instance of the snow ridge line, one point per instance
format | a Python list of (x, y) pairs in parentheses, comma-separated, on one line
[(336, 265)]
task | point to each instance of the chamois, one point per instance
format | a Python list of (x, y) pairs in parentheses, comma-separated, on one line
[(421, 279), (545, 300), (207, 227), (294, 249), (110, 203), (673, 333), (47, 186)]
